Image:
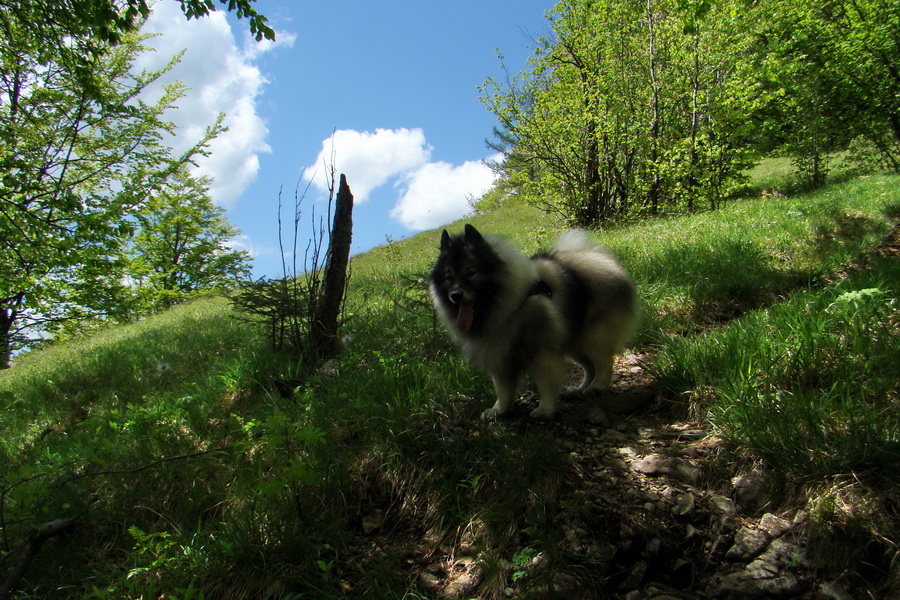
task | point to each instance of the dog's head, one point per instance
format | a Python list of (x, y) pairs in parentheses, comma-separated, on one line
[(464, 279)]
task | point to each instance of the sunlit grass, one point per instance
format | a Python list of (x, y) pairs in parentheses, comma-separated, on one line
[(809, 385)]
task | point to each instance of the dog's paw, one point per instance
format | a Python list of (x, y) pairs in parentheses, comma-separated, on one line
[(491, 414), (542, 412)]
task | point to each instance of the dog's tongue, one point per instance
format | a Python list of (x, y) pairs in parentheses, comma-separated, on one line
[(466, 315)]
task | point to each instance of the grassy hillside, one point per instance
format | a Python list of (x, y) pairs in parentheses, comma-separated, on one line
[(187, 474)]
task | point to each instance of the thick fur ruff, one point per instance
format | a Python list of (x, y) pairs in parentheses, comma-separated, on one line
[(513, 315)]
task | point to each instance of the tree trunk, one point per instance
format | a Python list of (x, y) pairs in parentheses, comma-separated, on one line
[(8, 315), (323, 340), (655, 184), (5, 350)]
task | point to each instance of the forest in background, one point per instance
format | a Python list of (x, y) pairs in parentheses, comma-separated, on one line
[(635, 108), (100, 220)]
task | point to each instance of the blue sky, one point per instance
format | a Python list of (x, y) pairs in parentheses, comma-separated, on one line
[(395, 83)]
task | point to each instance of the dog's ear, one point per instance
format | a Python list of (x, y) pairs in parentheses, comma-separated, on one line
[(445, 240), (472, 235)]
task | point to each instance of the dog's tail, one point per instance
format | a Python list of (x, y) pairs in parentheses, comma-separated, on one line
[(575, 240)]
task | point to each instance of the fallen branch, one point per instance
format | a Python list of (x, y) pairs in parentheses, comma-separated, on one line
[(72, 478), (35, 541), (139, 469)]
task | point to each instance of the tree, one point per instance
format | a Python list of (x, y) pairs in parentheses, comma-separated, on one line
[(80, 151), (302, 312), (632, 105), (831, 73), (181, 245), (105, 21), (73, 34)]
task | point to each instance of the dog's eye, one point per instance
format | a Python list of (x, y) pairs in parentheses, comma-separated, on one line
[(470, 273)]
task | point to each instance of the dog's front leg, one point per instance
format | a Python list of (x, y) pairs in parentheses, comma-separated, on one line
[(549, 373), (505, 387)]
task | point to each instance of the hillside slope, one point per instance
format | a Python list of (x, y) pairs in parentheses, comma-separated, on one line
[(185, 470)]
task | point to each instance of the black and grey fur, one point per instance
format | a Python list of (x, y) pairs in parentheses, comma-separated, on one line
[(514, 315)]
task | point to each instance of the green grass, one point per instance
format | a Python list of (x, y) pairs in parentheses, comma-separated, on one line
[(187, 472), (808, 385), (696, 270)]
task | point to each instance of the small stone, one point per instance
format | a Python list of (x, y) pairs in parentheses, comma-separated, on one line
[(745, 584), (784, 552), (774, 526), (635, 576), (373, 522), (691, 532), (568, 445), (627, 452), (564, 585), (684, 505), (652, 549), (721, 545), (658, 464), (762, 568), (682, 569), (616, 463), (596, 416), (724, 524), (752, 490), (748, 544), (612, 436), (723, 504), (460, 584), (430, 581), (686, 472), (833, 591), (654, 464), (786, 585)]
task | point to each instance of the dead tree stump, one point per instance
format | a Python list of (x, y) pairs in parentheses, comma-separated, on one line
[(324, 334)]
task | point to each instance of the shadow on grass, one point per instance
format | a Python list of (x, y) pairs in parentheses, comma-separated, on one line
[(722, 282)]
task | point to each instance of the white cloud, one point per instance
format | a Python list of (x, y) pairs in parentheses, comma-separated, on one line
[(245, 243), (221, 78), (430, 193), (438, 193), (368, 159)]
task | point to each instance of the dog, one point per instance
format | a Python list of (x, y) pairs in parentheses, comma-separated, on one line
[(513, 315)]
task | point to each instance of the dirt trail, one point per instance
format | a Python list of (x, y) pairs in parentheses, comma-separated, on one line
[(642, 517)]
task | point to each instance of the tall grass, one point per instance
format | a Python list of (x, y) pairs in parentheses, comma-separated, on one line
[(809, 385)]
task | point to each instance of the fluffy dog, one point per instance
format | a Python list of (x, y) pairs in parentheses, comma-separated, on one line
[(514, 315)]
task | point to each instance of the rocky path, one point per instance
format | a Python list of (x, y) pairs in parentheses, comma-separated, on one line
[(678, 530), (644, 518)]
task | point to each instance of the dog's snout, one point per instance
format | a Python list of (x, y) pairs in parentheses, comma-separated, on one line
[(456, 296)]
